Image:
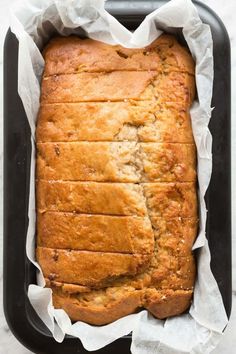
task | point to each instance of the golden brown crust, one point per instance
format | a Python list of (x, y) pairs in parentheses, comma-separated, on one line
[(114, 121), (104, 233), (101, 307), (119, 86), (163, 304), (93, 309), (116, 178), (116, 161), (95, 269), (72, 55)]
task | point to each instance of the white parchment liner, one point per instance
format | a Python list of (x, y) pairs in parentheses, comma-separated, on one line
[(33, 22)]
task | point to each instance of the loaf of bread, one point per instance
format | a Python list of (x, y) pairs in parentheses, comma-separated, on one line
[(116, 178)]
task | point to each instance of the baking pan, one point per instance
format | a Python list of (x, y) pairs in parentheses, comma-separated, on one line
[(19, 272)]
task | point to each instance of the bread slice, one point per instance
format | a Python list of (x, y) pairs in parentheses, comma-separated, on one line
[(73, 55), (154, 199), (114, 121), (116, 161), (103, 233), (91, 198), (89, 268), (119, 86)]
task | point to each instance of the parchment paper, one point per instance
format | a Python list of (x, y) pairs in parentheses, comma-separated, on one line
[(33, 22)]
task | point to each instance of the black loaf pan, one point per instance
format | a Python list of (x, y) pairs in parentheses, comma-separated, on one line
[(19, 272)]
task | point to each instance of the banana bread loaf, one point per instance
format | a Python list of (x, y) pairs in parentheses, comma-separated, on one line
[(116, 178)]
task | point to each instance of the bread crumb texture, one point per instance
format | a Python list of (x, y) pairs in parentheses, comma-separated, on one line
[(116, 178)]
